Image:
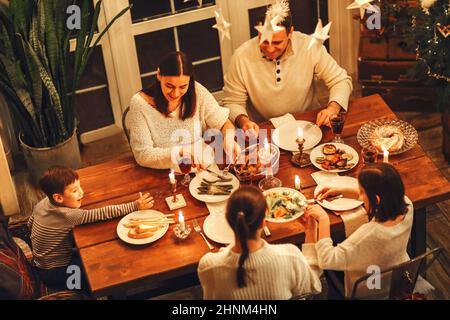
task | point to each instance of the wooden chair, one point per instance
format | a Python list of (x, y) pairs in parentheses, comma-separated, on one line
[(397, 283), (124, 125)]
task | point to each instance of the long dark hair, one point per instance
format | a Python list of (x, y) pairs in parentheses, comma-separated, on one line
[(245, 212), (175, 64), (382, 180)]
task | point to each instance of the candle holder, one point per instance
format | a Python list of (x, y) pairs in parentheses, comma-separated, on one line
[(176, 201), (182, 235), (301, 158)]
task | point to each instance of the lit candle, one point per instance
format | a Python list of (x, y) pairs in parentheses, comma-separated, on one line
[(385, 154), (266, 147), (172, 177), (181, 221), (300, 134), (297, 183)]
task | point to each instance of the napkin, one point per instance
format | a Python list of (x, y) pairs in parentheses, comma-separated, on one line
[(278, 121), (321, 177), (353, 219)]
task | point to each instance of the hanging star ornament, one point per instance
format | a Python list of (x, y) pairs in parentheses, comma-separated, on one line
[(363, 5), (268, 29), (320, 34), (222, 25)]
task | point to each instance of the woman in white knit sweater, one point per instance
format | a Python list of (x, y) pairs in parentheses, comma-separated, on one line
[(379, 244), (251, 268), (167, 120)]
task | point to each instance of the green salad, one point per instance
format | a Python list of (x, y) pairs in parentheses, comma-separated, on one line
[(283, 205)]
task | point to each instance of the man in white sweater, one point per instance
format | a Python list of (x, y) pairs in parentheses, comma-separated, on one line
[(266, 80)]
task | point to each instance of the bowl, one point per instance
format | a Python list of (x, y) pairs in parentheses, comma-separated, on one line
[(249, 167)]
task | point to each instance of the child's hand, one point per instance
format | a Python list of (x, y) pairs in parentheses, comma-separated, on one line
[(145, 201)]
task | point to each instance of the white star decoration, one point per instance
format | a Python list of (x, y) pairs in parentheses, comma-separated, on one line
[(320, 34), (268, 29), (222, 25), (363, 5)]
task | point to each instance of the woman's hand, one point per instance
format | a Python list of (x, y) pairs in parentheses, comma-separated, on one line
[(145, 201), (310, 226), (326, 192), (317, 213)]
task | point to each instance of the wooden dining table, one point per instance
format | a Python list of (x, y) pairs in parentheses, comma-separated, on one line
[(114, 267)]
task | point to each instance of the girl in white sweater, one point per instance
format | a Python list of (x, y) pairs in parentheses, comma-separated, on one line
[(381, 243), (251, 268)]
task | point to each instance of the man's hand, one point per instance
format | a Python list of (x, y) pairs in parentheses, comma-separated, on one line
[(247, 125), (323, 118)]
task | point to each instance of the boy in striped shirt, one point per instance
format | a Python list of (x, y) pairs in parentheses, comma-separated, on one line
[(54, 218)]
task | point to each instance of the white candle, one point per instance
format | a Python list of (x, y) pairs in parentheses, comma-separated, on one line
[(385, 154), (181, 221), (297, 183), (300, 133), (266, 147), (172, 177)]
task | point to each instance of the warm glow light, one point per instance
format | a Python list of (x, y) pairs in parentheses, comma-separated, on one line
[(385, 154), (172, 176), (181, 221), (300, 133), (297, 182)]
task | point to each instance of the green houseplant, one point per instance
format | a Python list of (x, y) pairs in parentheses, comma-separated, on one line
[(34, 63)]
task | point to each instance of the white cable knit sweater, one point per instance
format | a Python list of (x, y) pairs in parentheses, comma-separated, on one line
[(274, 272), (372, 244), (154, 135), (265, 89)]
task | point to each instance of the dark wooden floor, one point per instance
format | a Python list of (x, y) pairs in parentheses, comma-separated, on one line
[(430, 138)]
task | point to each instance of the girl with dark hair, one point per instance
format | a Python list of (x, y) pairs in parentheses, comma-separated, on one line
[(250, 268), (381, 242), (169, 117)]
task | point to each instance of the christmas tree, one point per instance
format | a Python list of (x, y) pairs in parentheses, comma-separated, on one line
[(425, 25), (430, 29)]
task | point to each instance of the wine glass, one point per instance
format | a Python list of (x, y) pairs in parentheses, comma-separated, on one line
[(269, 181), (185, 164), (337, 125), (369, 155)]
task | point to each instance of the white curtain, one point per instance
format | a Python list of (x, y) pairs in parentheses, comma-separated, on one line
[(344, 35)]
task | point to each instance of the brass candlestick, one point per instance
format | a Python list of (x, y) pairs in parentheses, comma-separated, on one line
[(174, 191), (301, 159)]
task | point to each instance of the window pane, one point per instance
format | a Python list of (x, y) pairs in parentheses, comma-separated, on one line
[(94, 110), (210, 75), (95, 72), (151, 47), (199, 40), (184, 5), (253, 15), (147, 9)]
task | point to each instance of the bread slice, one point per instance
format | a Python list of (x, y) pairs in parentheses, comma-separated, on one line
[(133, 234), (142, 228)]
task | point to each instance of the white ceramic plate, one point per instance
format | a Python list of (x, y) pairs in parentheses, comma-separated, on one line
[(280, 190), (342, 204), (317, 152), (122, 232), (285, 136), (216, 228), (195, 183)]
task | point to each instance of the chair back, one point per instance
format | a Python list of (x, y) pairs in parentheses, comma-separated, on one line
[(395, 283), (124, 123)]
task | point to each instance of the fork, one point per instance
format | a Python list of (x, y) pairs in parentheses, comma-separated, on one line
[(199, 230)]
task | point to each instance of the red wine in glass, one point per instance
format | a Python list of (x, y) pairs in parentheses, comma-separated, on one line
[(369, 155), (185, 165), (337, 125)]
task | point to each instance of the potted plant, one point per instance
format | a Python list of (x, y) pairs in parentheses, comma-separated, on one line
[(34, 51)]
